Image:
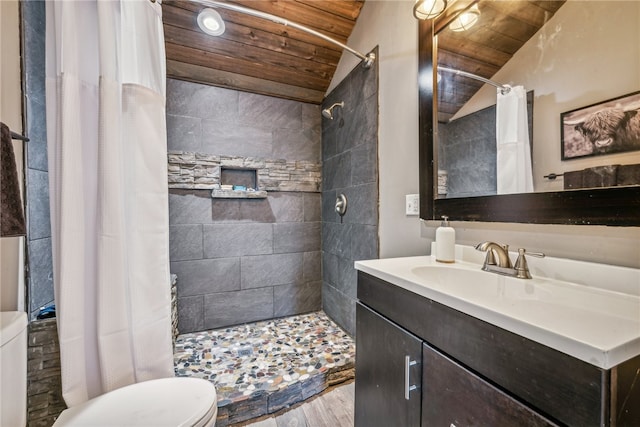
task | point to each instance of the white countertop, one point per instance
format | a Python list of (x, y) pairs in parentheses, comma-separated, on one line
[(598, 325)]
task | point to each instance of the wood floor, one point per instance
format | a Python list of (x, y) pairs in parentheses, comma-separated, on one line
[(333, 408)]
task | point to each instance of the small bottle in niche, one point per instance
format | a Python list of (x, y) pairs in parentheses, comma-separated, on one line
[(445, 242)]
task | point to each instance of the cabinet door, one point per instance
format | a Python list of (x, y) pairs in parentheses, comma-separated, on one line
[(452, 396), (388, 373)]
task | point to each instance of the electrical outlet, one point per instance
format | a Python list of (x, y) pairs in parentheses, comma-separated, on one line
[(413, 204)]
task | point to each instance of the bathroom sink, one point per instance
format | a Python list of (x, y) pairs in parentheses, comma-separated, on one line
[(597, 321)]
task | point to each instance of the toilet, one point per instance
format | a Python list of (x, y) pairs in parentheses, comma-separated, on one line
[(167, 402), (13, 368)]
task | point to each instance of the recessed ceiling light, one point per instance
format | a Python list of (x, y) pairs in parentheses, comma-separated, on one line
[(210, 21)]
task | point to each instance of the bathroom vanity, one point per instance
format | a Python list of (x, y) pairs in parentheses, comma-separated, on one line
[(450, 345)]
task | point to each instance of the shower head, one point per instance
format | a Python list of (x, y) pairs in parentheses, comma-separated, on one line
[(328, 112)]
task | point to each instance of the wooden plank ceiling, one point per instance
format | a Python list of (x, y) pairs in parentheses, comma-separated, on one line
[(257, 55), (503, 27)]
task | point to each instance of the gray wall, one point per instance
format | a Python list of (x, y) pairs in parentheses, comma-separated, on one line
[(40, 273), (242, 260), (467, 151), (350, 166)]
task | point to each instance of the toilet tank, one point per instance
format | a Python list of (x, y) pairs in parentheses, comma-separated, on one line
[(13, 368)]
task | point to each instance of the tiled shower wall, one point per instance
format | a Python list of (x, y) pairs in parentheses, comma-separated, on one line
[(40, 272), (242, 260), (350, 167), (467, 151)]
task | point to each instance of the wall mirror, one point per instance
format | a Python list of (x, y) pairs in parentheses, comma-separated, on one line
[(572, 58)]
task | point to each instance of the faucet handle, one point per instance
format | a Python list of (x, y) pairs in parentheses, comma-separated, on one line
[(521, 266)]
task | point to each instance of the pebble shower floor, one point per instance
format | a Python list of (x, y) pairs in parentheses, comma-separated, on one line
[(261, 368)]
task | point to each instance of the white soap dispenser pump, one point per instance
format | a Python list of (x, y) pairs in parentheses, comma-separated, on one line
[(445, 242)]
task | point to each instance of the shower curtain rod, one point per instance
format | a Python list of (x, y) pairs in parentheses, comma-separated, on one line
[(368, 58), (503, 89)]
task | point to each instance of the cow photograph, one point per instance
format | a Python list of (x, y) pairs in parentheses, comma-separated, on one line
[(612, 126)]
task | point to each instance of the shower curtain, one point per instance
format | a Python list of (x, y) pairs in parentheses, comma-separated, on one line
[(513, 161), (105, 88)]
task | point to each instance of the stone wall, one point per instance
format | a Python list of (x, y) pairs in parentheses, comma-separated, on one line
[(198, 171), (350, 167), (44, 383), (243, 260)]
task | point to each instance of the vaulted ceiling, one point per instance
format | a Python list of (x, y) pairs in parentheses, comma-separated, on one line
[(502, 29), (257, 55)]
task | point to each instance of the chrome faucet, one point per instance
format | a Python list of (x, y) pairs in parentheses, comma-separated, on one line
[(498, 261)]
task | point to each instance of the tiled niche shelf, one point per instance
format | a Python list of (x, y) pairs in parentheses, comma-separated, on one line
[(238, 194), (201, 171)]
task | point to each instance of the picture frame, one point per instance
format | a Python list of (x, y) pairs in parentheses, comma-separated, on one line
[(607, 127)]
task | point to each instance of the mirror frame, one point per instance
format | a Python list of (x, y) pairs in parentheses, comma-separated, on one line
[(616, 206)]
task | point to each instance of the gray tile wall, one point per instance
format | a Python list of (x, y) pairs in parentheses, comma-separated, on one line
[(467, 151), (350, 166), (243, 260), (40, 276)]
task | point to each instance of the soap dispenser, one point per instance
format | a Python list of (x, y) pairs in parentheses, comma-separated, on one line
[(445, 242)]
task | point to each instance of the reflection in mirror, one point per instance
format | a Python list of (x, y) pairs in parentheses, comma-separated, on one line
[(568, 56)]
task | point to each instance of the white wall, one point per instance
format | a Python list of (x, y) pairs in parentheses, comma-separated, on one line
[(391, 25), (11, 248)]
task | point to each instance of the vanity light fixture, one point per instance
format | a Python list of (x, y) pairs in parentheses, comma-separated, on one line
[(428, 9), (210, 21), (466, 19)]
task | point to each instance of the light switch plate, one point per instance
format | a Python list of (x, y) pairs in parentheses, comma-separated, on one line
[(413, 204)]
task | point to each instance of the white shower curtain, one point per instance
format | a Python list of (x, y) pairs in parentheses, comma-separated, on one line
[(108, 190), (512, 137)]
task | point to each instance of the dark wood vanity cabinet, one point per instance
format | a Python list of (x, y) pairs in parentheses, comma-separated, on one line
[(471, 373)]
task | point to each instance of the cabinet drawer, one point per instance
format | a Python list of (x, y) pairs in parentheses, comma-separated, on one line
[(454, 396)]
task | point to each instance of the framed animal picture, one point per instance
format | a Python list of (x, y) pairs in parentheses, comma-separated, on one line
[(611, 126)]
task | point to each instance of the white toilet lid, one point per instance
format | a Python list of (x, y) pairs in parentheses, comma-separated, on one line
[(170, 402)]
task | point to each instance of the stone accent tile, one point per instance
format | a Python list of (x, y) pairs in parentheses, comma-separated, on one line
[(34, 40), (364, 242), (287, 207), (362, 206), (191, 314), (296, 144), (203, 101), (41, 273), (230, 139), (185, 242), (268, 112), (271, 270), (38, 206), (340, 308), (336, 239), (312, 266), (296, 237), (364, 164), (207, 276), (44, 382), (337, 172), (232, 308), (284, 398), (312, 207), (184, 133), (229, 240), (295, 299), (189, 170), (329, 206), (190, 207)]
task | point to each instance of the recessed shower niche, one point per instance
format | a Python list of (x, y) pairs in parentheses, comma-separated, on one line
[(238, 183)]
